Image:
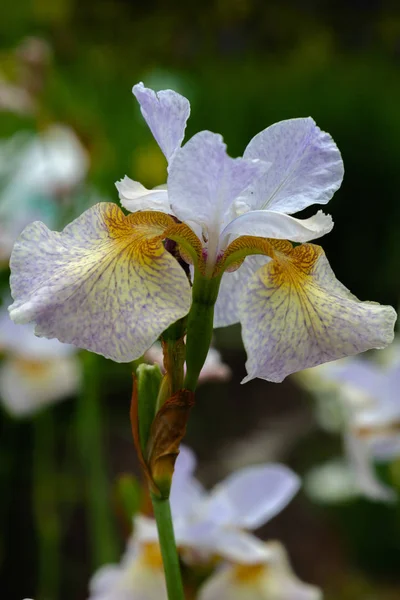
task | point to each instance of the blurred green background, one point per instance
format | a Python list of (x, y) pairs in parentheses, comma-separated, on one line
[(243, 64)]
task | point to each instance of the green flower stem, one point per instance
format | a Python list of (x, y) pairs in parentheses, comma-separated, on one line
[(162, 514), (200, 326), (199, 334), (89, 432), (46, 505)]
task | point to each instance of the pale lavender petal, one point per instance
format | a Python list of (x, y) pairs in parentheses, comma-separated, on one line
[(363, 471), (361, 374), (166, 113), (385, 447), (214, 369), (233, 284), (254, 495), (281, 582), (306, 166), (271, 224), (271, 578), (21, 341), (52, 161), (186, 491), (186, 462), (28, 386), (239, 546), (104, 580), (297, 315), (204, 181), (145, 530), (90, 285), (134, 196)]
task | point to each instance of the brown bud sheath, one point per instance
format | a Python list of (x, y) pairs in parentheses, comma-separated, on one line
[(167, 431)]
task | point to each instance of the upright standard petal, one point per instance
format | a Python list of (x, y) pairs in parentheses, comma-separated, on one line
[(254, 495), (166, 113), (134, 196), (306, 166), (105, 283), (295, 314), (204, 181)]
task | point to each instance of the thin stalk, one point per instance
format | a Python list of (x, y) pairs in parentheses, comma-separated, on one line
[(200, 326), (90, 440), (172, 571), (46, 507)]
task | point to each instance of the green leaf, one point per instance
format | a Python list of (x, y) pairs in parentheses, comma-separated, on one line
[(149, 379), (129, 493)]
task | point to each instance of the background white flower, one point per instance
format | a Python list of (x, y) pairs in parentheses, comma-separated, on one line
[(367, 410), (217, 523), (37, 172), (208, 525), (139, 576), (214, 369), (35, 371), (272, 579)]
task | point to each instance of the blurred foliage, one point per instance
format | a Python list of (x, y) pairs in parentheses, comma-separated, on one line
[(243, 64)]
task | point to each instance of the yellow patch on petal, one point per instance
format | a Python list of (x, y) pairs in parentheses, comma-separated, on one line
[(292, 266), (188, 241), (34, 369), (151, 556), (249, 573), (143, 231), (105, 283), (295, 314), (244, 246)]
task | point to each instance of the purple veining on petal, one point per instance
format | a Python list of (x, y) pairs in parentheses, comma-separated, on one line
[(288, 328), (84, 287), (307, 167)]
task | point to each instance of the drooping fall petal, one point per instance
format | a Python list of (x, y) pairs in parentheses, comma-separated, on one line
[(295, 314), (105, 283)]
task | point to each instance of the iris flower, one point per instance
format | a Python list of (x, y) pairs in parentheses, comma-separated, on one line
[(218, 523), (272, 579), (40, 176), (210, 527), (108, 284), (34, 372), (366, 395), (139, 576)]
